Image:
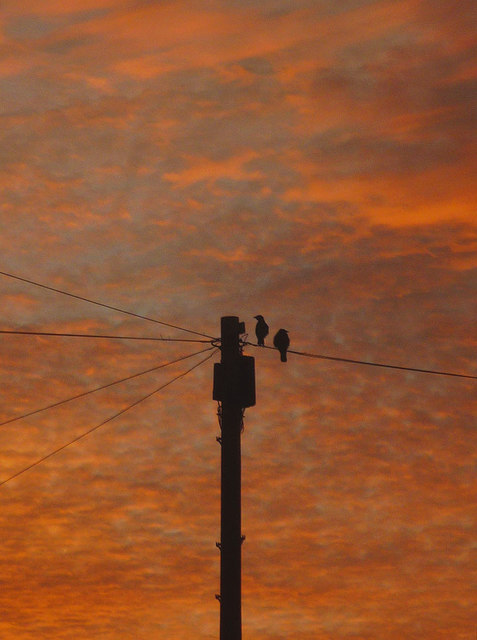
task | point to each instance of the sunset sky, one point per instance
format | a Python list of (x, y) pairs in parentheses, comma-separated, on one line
[(313, 161)]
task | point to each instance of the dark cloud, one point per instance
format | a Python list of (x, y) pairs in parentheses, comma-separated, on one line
[(352, 153), (26, 27), (33, 25), (259, 66)]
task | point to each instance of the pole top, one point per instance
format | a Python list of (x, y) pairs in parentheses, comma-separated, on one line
[(231, 326)]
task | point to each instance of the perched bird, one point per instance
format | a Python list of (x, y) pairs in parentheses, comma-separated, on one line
[(281, 341), (261, 330)]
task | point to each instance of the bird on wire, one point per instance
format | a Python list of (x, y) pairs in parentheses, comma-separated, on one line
[(281, 341), (261, 330)]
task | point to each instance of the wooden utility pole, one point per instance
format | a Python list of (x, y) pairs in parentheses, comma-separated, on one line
[(234, 388)]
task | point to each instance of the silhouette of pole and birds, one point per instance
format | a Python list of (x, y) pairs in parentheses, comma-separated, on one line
[(234, 390)]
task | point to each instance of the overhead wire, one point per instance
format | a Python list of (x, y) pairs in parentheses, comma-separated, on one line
[(371, 364), (101, 424), (92, 335), (101, 304), (104, 386)]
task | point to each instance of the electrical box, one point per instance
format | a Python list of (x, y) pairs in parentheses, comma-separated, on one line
[(244, 392)]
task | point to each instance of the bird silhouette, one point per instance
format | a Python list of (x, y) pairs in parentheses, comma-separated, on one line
[(281, 341), (261, 330)]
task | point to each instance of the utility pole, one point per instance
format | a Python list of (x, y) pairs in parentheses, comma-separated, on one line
[(234, 388)]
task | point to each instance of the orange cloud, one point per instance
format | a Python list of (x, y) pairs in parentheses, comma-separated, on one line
[(208, 170)]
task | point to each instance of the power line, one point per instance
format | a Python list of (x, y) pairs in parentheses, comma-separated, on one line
[(92, 335), (104, 386), (101, 304), (116, 415), (371, 364)]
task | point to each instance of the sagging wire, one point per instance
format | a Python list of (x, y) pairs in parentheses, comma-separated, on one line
[(101, 424)]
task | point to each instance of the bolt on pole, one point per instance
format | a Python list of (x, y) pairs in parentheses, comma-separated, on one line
[(234, 387)]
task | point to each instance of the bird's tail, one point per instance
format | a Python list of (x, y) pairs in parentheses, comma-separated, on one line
[(261, 343), (283, 356)]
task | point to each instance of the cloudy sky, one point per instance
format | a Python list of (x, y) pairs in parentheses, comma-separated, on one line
[(309, 160)]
